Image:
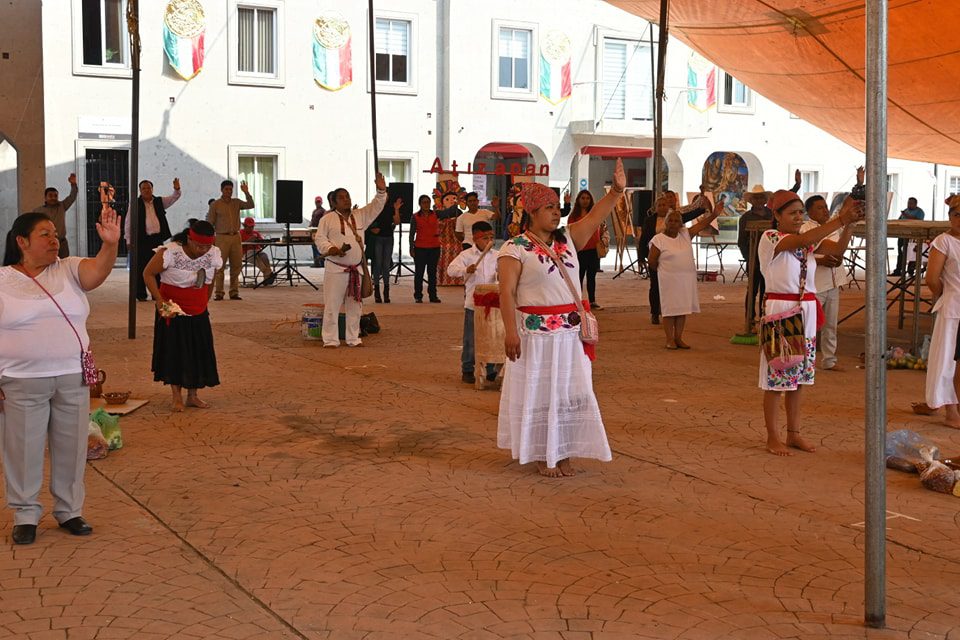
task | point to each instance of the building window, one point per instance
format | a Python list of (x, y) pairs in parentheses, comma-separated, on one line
[(260, 174), (513, 52), (394, 170), (627, 81), (809, 181), (392, 50), (735, 97), (257, 41), (255, 35), (954, 186), (100, 39)]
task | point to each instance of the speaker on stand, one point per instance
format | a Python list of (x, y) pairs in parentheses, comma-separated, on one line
[(289, 210), (404, 191)]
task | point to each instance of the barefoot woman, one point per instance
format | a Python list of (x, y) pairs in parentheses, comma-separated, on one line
[(788, 264), (943, 278), (548, 412), (183, 354)]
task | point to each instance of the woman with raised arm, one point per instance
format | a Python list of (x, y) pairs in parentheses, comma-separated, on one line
[(671, 257), (788, 265), (548, 411), (43, 349)]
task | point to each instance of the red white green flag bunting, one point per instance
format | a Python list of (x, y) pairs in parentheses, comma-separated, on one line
[(184, 26), (555, 82), (332, 58)]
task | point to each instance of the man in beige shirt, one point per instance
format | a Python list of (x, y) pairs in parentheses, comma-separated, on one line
[(56, 208), (224, 215)]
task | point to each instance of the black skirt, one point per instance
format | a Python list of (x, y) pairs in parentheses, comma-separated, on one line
[(183, 353)]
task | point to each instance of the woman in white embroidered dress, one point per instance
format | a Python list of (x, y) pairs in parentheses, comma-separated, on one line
[(42, 393), (782, 252), (548, 411), (671, 257), (943, 279), (183, 353)]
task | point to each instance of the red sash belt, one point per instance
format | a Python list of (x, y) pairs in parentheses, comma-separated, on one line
[(193, 301), (589, 349), (795, 297)]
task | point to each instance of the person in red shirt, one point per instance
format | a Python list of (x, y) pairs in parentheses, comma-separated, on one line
[(425, 246), (588, 256), (255, 253)]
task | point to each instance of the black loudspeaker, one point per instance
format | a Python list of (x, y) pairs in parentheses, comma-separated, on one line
[(642, 203), (404, 191), (289, 201)]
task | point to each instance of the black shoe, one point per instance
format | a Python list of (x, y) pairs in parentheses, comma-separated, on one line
[(377, 299), (386, 299), (141, 298), (418, 300), (491, 376), (24, 533), (654, 319), (269, 280), (468, 378), (77, 526), (235, 296), (316, 265), (435, 300)]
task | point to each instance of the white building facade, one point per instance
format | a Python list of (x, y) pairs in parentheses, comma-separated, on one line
[(457, 80)]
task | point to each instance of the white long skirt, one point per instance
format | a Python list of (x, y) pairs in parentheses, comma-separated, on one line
[(940, 363), (548, 411)]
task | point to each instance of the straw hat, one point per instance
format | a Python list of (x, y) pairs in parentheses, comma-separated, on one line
[(757, 190)]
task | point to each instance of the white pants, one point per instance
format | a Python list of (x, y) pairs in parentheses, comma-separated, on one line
[(335, 281), (37, 410), (827, 343)]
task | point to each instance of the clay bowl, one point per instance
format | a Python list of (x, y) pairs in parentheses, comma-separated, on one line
[(116, 397)]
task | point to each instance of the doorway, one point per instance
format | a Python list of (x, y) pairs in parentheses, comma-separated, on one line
[(105, 165)]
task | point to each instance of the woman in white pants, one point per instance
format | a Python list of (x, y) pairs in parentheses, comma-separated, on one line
[(943, 279), (43, 314)]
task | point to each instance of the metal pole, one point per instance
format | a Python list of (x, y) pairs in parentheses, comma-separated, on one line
[(876, 391), (658, 99), (373, 87), (133, 26)]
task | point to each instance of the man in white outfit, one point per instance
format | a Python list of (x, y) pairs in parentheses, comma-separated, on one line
[(339, 239), (830, 276)]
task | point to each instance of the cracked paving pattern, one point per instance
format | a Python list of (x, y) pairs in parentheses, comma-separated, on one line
[(358, 493)]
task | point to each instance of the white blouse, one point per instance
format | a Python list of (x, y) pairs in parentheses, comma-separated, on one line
[(948, 306), (35, 339), (541, 284), (180, 270)]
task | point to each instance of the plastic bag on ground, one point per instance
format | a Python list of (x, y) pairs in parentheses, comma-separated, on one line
[(97, 446), (109, 427), (935, 475), (904, 449)]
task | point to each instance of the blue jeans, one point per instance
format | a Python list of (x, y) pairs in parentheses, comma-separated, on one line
[(382, 260), (468, 357)]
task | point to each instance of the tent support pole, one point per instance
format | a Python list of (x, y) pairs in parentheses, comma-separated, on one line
[(133, 190), (658, 99), (876, 380), (373, 86)]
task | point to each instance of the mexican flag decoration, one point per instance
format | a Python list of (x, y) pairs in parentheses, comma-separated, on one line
[(702, 83), (332, 60), (184, 25), (555, 83)]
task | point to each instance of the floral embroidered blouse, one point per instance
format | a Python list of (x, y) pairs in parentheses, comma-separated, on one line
[(542, 285)]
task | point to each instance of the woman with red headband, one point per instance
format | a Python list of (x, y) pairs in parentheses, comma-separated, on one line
[(788, 265), (548, 412), (183, 354)]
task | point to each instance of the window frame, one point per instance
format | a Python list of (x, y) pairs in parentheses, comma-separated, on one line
[(950, 178), (107, 70), (234, 75), (807, 168), (630, 41), (412, 157), (749, 108), (496, 91), (236, 151), (410, 87)]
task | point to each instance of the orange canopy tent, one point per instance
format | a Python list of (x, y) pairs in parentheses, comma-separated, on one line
[(808, 56)]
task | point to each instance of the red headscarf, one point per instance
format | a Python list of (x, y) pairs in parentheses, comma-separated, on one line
[(536, 195)]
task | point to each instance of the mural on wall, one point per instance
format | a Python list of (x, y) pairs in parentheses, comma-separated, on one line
[(184, 27), (555, 83), (332, 57), (725, 173), (702, 83), (448, 193)]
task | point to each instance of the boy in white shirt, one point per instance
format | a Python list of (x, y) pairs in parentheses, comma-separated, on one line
[(476, 265)]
